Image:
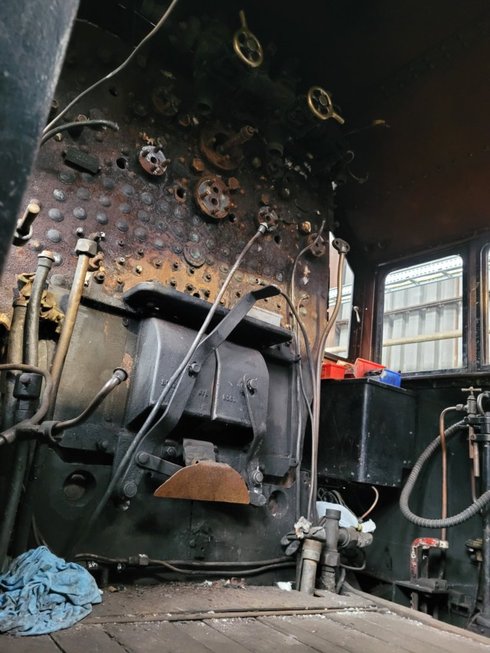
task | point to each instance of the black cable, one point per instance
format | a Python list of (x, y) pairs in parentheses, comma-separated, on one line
[(216, 564), (82, 123), (455, 520), (117, 70), (203, 571)]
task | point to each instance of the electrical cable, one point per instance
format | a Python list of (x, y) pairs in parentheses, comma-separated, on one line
[(373, 505), (81, 123), (474, 508), (149, 422), (117, 70)]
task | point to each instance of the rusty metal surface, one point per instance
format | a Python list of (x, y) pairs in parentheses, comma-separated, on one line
[(205, 481), (154, 229)]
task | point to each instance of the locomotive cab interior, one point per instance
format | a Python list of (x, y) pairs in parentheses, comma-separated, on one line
[(244, 311)]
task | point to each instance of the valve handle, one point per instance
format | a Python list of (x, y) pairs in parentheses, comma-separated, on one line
[(246, 45), (321, 105)]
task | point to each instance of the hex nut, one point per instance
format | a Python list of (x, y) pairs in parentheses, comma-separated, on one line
[(86, 246)]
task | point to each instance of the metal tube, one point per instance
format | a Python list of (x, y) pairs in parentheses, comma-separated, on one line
[(68, 325), (119, 375), (14, 356), (45, 262), (310, 556), (330, 557), (318, 373), (30, 449)]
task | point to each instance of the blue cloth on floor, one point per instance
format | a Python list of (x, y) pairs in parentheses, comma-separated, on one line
[(41, 593)]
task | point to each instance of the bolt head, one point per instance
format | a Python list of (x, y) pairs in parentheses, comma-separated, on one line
[(194, 369)]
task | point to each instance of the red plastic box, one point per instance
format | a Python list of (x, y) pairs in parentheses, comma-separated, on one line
[(332, 371), (363, 366)]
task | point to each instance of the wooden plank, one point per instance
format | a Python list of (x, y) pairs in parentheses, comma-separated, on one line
[(257, 637), (186, 598), (39, 644), (432, 636), (325, 635), (404, 611), (211, 638), (211, 614), (80, 638), (162, 637), (399, 642)]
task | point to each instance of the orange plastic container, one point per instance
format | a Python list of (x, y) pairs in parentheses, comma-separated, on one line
[(363, 366), (332, 371)]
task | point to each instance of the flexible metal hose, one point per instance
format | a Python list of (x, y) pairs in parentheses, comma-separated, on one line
[(455, 520)]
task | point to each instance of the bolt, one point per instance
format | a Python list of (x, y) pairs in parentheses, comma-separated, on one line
[(143, 458), (138, 269), (305, 228), (252, 385), (130, 489), (194, 369), (197, 165), (257, 476), (99, 277)]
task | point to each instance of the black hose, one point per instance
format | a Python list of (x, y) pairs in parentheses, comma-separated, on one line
[(455, 520), (206, 569)]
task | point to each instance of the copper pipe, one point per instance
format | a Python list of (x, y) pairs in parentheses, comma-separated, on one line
[(68, 325), (442, 435)]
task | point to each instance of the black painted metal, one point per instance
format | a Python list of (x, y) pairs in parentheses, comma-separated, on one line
[(367, 431), (33, 40)]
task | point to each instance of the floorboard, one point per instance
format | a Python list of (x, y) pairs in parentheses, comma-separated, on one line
[(324, 635), (259, 638), (85, 639)]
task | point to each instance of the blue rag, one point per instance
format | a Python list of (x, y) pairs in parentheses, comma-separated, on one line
[(41, 593)]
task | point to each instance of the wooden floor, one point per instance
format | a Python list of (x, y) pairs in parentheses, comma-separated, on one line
[(220, 618)]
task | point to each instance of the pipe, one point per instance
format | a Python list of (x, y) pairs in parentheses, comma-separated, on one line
[(45, 262), (29, 449), (118, 376), (310, 557), (473, 509), (330, 558), (442, 436), (343, 249), (21, 454), (74, 300), (14, 356)]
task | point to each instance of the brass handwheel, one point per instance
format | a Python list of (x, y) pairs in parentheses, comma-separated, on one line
[(247, 46), (321, 105)]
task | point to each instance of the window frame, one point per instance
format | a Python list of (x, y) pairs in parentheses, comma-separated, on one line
[(464, 250)]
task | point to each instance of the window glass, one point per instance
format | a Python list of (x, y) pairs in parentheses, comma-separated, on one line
[(338, 339), (422, 322)]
